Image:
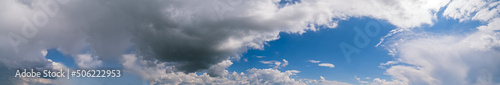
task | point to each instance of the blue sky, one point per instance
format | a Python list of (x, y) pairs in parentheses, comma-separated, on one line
[(322, 45), (263, 42)]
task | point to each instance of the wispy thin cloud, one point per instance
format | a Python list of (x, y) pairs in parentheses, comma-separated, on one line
[(314, 61), (326, 65)]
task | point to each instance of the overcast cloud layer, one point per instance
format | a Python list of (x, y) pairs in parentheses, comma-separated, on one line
[(175, 38)]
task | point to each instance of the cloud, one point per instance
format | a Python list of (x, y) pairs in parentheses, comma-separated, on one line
[(220, 68), (285, 63), (27, 81), (245, 59), (9, 64), (191, 36), (388, 63), (276, 64), (378, 81), (464, 10), (53, 66), (457, 59), (87, 61), (322, 81), (161, 73), (359, 79), (260, 56), (322, 64), (326, 65), (313, 61), (449, 60)]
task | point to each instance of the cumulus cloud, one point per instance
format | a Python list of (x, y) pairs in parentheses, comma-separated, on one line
[(219, 69), (378, 81), (326, 65), (276, 64), (87, 61), (449, 59), (323, 81), (161, 73), (458, 59)]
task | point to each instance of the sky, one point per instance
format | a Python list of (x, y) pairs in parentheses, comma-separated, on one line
[(257, 42)]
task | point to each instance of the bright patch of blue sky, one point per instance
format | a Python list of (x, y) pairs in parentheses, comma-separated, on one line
[(56, 56), (322, 45)]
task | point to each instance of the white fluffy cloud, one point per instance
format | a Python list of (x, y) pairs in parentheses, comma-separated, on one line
[(161, 73), (87, 61), (219, 69), (452, 59)]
